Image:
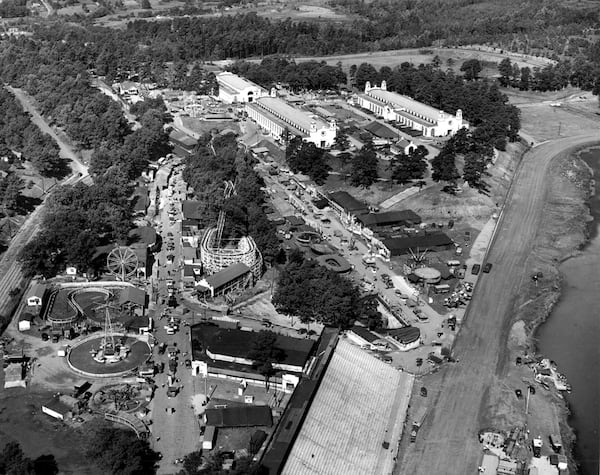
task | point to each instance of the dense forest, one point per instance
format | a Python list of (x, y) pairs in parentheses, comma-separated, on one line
[(79, 217)]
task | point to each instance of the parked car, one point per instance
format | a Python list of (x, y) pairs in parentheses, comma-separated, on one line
[(487, 267), (423, 391), (475, 269)]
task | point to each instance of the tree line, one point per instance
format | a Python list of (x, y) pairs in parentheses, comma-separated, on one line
[(218, 160), (554, 77), (19, 134), (309, 75)]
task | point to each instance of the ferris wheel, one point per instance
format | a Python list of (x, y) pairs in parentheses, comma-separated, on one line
[(122, 262)]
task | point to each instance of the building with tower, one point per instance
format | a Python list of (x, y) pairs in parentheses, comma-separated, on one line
[(278, 118), (407, 112)]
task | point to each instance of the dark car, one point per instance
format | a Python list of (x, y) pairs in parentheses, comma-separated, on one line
[(424, 391), (475, 269), (188, 363), (531, 390), (519, 361), (518, 393), (487, 267)]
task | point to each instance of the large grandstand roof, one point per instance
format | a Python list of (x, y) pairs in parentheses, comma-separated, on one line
[(235, 82), (298, 117), (360, 405), (404, 102)]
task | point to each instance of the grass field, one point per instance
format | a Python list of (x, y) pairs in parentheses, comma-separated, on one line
[(22, 420)]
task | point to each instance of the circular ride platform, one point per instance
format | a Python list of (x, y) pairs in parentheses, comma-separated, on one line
[(81, 361), (335, 263)]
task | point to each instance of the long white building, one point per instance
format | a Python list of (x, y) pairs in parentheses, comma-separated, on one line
[(430, 121), (233, 88), (275, 115)]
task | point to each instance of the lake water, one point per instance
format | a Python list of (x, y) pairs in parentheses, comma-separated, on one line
[(571, 336)]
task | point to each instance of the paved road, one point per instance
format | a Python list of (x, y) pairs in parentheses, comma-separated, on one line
[(448, 444)]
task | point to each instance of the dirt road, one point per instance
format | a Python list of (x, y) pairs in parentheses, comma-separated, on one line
[(11, 275), (66, 151), (448, 442)]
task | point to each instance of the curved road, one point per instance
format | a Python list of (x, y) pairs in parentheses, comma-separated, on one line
[(448, 442)]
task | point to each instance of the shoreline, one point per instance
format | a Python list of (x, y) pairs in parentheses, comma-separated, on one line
[(578, 178)]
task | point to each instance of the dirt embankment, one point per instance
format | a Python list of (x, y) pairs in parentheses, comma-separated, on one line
[(563, 230)]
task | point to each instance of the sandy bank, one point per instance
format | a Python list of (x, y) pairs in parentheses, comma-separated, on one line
[(562, 233)]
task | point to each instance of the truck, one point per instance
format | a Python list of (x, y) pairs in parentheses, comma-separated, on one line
[(555, 443), (417, 421), (537, 446)]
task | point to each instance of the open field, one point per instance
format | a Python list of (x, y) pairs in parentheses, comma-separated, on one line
[(462, 407), (21, 419), (425, 55), (572, 114)]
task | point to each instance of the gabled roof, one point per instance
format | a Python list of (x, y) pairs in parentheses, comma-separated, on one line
[(347, 201), (389, 218), (404, 102), (427, 240), (364, 333), (380, 130), (228, 274), (133, 295), (57, 406), (37, 290), (238, 343), (182, 138), (405, 335), (242, 416), (235, 82)]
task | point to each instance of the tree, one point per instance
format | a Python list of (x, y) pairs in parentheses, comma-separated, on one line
[(10, 191), (525, 80), (307, 158), (412, 166), (315, 293), (119, 451), (473, 169), (14, 462), (365, 72), (145, 4), (444, 167), (341, 141), (471, 69), (505, 68), (364, 167), (265, 353)]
